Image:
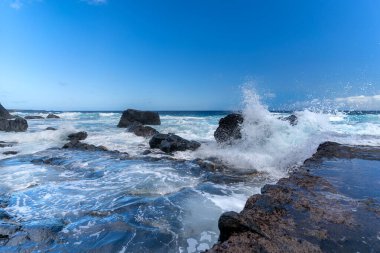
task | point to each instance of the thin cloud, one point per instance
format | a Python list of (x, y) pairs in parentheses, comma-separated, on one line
[(17, 4), (96, 2)]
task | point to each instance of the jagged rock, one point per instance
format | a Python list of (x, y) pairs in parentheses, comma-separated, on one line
[(51, 128), (79, 136), (131, 116), (13, 125), (229, 128), (141, 130), (292, 119), (4, 114), (171, 142), (10, 153), (52, 116), (76, 144), (33, 117)]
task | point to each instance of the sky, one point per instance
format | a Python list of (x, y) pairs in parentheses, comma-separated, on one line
[(187, 55)]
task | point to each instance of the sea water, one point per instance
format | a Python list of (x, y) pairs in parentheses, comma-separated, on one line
[(157, 202)]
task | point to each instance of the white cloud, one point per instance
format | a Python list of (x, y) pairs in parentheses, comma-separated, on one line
[(16, 4), (359, 102), (96, 2)]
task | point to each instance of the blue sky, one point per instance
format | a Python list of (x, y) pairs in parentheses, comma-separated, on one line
[(186, 55)]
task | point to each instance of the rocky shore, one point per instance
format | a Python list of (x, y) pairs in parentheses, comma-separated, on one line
[(331, 204)]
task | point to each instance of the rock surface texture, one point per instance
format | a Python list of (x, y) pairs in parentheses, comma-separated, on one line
[(131, 116), (229, 128), (52, 116), (314, 210), (171, 142)]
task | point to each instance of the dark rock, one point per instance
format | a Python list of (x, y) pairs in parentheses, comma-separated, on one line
[(4, 114), (7, 229), (144, 117), (292, 119), (171, 142), (33, 117), (75, 144), (77, 136), (146, 152), (43, 231), (141, 130), (4, 215), (51, 128), (229, 128), (13, 125), (52, 116), (10, 153), (4, 144)]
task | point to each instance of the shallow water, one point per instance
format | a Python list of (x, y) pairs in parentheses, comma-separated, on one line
[(108, 202)]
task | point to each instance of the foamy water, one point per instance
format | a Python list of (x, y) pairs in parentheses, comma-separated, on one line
[(174, 203)]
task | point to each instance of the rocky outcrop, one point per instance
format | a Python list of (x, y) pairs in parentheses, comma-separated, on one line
[(229, 128), (13, 125), (307, 212), (75, 143), (79, 136), (132, 116), (33, 117), (4, 114), (52, 116), (141, 130), (171, 142)]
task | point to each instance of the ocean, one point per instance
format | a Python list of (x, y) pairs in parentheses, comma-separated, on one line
[(157, 203)]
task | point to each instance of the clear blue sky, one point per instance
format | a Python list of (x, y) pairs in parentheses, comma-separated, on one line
[(185, 55)]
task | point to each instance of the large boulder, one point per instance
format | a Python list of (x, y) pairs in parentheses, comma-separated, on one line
[(229, 128), (4, 114), (141, 130), (52, 116), (131, 116), (171, 142), (13, 125)]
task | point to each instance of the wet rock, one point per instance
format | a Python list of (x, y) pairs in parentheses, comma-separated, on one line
[(4, 215), (17, 239), (52, 116), (229, 128), (48, 160), (7, 229), (43, 231), (4, 144), (75, 144), (79, 136), (33, 117), (146, 152), (10, 152), (4, 114), (51, 128), (292, 119), (141, 130), (131, 116), (13, 125), (171, 142)]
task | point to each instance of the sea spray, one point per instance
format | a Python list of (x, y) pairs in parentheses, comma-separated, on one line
[(269, 143)]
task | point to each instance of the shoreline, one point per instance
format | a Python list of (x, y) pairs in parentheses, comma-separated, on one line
[(312, 210)]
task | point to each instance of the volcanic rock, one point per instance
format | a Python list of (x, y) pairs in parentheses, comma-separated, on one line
[(144, 117)]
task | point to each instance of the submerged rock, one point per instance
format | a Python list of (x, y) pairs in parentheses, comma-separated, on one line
[(4, 114), (10, 152), (131, 116), (4, 144), (52, 116), (51, 128), (33, 117), (13, 125), (229, 128), (171, 142), (141, 130), (79, 136), (43, 231)]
